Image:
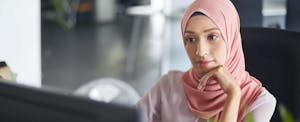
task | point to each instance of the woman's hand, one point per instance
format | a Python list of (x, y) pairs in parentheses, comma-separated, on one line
[(225, 79), (230, 87)]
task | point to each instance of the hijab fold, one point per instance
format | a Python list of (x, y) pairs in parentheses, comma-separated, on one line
[(210, 102)]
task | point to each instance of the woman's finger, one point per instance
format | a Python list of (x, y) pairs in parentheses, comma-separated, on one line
[(203, 80)]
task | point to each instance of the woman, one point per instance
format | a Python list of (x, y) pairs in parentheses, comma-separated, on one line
[(217, 87)]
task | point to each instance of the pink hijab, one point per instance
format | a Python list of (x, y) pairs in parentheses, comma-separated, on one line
[(210, 102)]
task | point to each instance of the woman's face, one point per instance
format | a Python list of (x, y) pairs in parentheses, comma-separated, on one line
[(204, 43)]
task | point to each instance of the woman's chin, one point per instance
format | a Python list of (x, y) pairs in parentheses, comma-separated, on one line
[(203, 70)]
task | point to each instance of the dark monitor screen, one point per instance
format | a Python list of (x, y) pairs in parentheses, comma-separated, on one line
[(28, 104)]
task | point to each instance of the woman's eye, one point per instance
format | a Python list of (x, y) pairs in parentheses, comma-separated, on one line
[(213, 37), (191, 40)]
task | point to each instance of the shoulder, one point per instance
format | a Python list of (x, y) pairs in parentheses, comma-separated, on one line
[(265, 98), (168, 83), (264, 106), (173, 76)]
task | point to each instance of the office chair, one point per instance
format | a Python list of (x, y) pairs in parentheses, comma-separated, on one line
[(273, 57), (292, 16), (250, 12)]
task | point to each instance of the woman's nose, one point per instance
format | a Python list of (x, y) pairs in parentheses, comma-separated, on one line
[(202, 49)]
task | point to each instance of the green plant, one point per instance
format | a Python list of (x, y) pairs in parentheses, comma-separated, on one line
[(65, 12), (249, 117), (285, 115)]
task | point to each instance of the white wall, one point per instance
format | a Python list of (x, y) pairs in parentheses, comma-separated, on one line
[(172, 6), (20, 39)]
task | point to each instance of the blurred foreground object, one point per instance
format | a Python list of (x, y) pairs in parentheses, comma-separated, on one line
[(109, 90), (285, 115), (20, 103)]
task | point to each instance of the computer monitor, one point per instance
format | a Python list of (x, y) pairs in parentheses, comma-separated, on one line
[(29, 104)]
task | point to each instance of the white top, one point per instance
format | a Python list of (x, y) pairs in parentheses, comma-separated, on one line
[(166, 102)]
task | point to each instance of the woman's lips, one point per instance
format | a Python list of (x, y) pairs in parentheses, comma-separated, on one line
[(204, 63)]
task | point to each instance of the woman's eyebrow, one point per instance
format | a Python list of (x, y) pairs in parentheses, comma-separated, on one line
[(205, 31), (211, 29), (188, 31)]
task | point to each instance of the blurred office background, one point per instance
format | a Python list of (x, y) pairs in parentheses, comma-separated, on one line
[(73, 42), (132, 40)]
